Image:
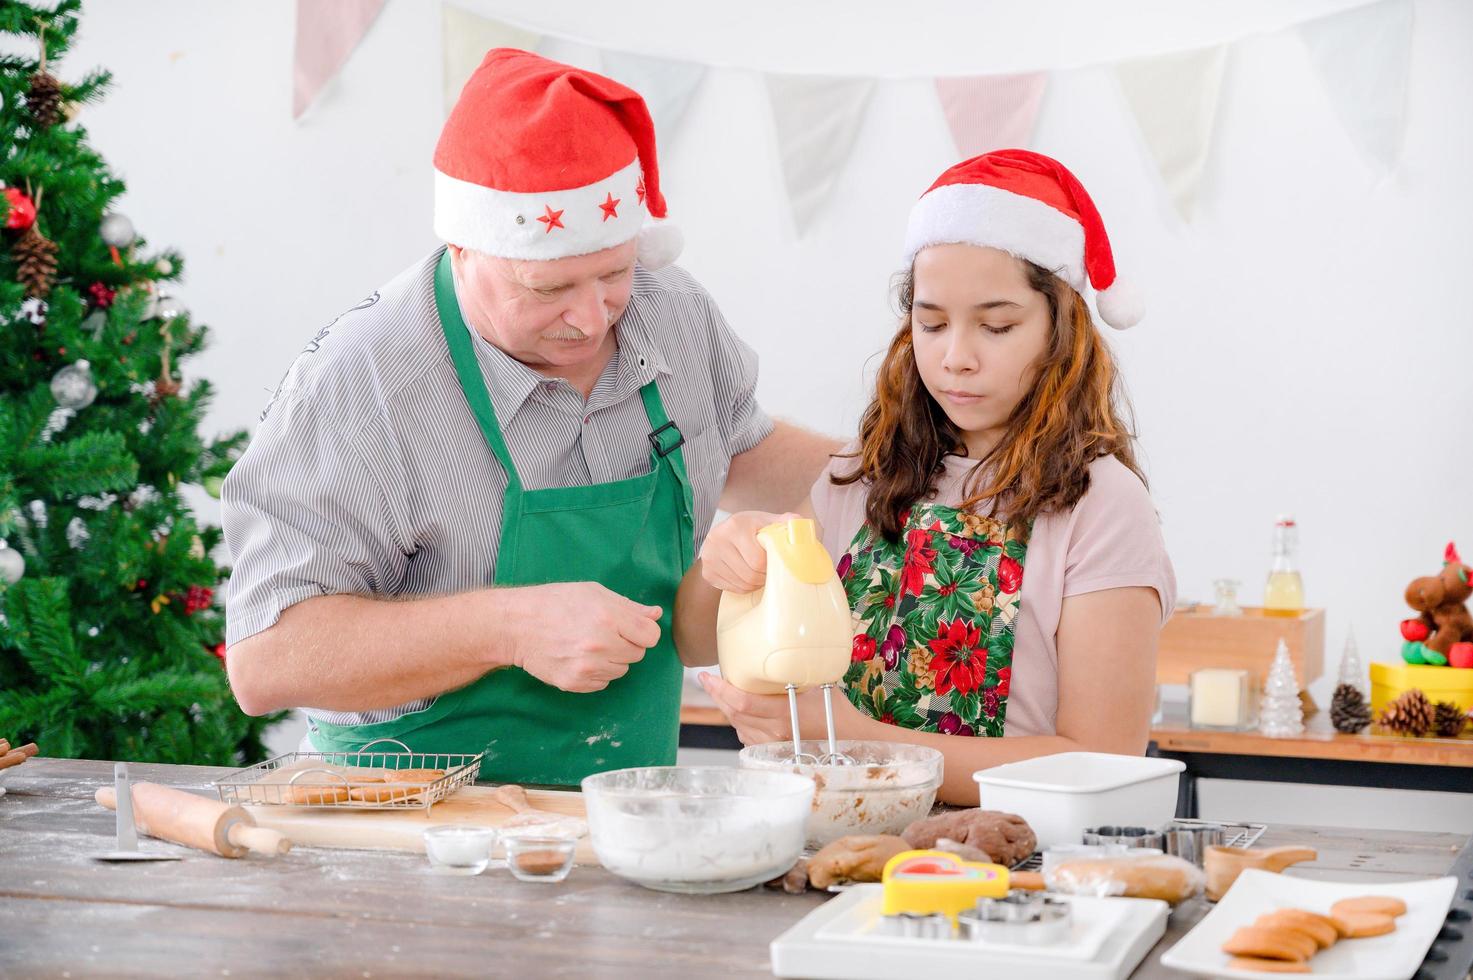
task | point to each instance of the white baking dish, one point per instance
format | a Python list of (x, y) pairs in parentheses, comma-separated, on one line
[(1062, 795)]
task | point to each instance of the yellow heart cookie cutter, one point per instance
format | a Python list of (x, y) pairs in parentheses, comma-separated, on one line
[(927, 882)]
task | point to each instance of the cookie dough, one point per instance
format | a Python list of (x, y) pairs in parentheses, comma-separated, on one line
[(1005, 838), (854, 858)]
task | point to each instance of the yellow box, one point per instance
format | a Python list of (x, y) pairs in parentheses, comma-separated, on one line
[(1390, 680)]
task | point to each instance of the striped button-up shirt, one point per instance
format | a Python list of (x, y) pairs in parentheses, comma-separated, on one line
[(369, 476)]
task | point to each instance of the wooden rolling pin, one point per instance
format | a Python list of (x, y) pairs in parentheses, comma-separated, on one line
[(14, 757), (187, 818)]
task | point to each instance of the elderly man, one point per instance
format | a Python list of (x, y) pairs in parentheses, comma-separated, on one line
[(466, 511)]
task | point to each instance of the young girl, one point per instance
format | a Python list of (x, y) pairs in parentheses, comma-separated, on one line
[(1002, 558)]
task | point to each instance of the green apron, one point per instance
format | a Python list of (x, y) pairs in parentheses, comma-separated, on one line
[(633, 536)]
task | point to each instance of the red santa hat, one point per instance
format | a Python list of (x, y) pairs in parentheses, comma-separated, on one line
[(1031, 206), (540, 160)]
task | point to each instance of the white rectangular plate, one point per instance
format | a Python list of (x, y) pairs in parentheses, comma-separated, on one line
[(1111, 936), (1395, 956)]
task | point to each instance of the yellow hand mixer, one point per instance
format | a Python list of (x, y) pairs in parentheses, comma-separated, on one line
[(793, 633)]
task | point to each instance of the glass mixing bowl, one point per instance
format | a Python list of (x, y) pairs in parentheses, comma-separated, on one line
[(698, 830), (891, 785)]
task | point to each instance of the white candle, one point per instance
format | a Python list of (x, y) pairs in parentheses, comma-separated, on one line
[(1219, 698)]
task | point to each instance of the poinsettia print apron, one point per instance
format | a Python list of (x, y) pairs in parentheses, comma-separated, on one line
[(933, 620)]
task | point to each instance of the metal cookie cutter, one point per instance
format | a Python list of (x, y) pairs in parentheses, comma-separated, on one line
[(1020, 919), (1189, 841), (1128, 836), (916, 925)]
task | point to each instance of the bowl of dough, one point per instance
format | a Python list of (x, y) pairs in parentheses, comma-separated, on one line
[(889, 786), (695, 829)]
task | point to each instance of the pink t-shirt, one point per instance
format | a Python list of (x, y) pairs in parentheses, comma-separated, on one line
[(1110, 540)]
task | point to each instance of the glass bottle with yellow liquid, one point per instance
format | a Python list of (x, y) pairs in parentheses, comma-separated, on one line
[(1284, 593)]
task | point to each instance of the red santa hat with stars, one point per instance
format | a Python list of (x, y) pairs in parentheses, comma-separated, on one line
[(540, 160), (1031, 206)]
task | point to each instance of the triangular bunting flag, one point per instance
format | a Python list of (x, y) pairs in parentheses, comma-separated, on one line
[(327, 32), (1363, 57), (817, 121), (667, 86), (464, 40), (1174, 99), (991, 112)]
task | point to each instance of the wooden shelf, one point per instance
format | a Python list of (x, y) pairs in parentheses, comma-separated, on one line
[(1320, 741)]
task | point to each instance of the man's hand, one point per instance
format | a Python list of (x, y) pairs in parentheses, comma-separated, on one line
[(584, 636)]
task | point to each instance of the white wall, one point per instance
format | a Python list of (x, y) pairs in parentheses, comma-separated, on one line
[(1308, 346)]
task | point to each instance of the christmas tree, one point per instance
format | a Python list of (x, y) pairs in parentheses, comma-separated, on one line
[(1280, 713), (110, 635)]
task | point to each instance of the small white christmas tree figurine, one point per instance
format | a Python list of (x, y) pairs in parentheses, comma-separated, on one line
[(1352, 672), (1280, 713)]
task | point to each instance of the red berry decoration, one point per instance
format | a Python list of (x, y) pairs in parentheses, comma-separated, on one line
[(102, 296), (1460, 655), (1413, 629), (198, 597), (22, 210), (218, 650)]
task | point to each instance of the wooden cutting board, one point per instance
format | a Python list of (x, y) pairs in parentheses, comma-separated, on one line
[(401, 830)]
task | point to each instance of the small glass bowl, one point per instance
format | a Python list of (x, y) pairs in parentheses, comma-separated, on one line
[(459, 849), (538, 858)]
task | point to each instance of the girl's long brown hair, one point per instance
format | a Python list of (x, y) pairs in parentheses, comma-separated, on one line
[(1070, 418)]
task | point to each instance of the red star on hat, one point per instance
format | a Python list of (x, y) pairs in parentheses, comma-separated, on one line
[(551, 219), (640, 190), (527, 130)]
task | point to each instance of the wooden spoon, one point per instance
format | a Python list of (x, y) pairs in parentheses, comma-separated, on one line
[(1224, 864)]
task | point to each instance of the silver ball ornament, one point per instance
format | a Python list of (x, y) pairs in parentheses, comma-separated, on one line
[(171, 308), (117, 230), (73, 387), (12, 565)]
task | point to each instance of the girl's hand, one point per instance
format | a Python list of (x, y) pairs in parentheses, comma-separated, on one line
[(760, 718), (731, 558)]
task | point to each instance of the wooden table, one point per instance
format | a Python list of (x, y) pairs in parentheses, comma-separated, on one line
[(1321, 755), (365, 914)]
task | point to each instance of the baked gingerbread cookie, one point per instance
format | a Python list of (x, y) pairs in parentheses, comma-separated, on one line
[(1270, 943), (1320, 928), (1382, 904), (314, 794), (1267, 966), (400, 784), (1359, 925)]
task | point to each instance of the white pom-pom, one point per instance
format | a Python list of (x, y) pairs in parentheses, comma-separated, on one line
[(660, 243), (1122, 305)]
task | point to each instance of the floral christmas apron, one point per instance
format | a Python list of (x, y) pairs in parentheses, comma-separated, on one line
[(933, 620)]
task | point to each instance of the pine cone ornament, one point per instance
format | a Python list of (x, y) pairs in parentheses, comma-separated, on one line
[(1448, 720), (1411, 714), (44, 98), (164, 387), (1349, 712), (35, 262)]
